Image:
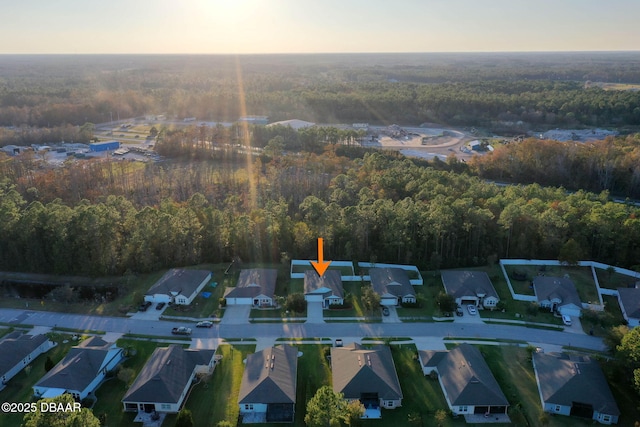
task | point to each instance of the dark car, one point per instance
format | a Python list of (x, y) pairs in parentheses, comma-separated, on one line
[(144, 306), (204, 324), (459, 312), (160, 305), (385, 311)]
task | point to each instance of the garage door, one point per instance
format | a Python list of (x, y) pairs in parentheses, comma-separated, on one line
[(239, 301), (313, 298)]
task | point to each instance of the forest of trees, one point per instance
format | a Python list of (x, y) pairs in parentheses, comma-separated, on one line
[(504, 93), (109, 217)]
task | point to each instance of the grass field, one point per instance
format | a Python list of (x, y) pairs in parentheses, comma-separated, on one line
[(612, 280)]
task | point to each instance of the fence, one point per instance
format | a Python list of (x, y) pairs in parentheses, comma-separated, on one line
[(307, 263), (418, 282)]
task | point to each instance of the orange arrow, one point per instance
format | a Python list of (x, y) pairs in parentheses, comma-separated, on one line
[(320, 266)]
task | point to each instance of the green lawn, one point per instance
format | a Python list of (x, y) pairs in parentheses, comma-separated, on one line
[(274, 313), (614, 280), (217, 398), (19, 388), (599, 324), (426, 296)]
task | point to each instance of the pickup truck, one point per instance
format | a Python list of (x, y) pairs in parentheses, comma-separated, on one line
[(181, 331)]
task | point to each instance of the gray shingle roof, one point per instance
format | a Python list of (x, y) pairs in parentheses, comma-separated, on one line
[(468, 380), (179, 281), (564, 379), (330, 280), (166, 374), (254, 282), (270, 376), (79, 367), (630, 300), (356, 370), (392, 281), (460, 284), (549, 287), (16, 346), (431, 358)]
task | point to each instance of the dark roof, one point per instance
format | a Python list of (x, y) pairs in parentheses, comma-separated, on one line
[(166, 374), (254, 282), (468, 380), (460, 284), (547, 288), (331, 280), (630, 300), (80, 366), (357, 370), (179, 281), (16, 346), (394, 281), (564, 379), (270, 376), (431, 358)]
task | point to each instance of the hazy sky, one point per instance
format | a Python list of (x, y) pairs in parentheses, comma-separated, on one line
[(291, 26)]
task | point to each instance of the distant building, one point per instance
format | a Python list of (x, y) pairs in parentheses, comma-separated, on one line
[(629, 299), (294, 124), (104, 146), (17, 350), (393, 286), (255, 287), (470, 287), (326, 288), (558, 294), (254, 120)]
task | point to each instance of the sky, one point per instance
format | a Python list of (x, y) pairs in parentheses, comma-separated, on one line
[(316, 26)]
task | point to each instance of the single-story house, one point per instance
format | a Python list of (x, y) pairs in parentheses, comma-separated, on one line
[(468, 384), (470, 288), (368, 375), (393, 286), (164, 382), (574, 385), (558, 294), (629, 299), (255, 287), (81, 371), (178, 286), (17, 350), (268, 387), (326, 289)]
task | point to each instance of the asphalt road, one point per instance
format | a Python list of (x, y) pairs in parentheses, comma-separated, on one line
[(331, 330)]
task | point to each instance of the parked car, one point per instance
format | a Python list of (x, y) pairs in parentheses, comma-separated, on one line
[(459, 311), (144, 306), (181, 331), (160, 305), (339, 342), (566, 319), (472, 310), (204, 324), (385, 311)]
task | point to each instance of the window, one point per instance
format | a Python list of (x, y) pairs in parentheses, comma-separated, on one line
[(248, 407), (165, 406), (558, 408), (462, 409), (606, 418)]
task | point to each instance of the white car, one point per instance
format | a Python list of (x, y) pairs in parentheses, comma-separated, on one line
[(566, 320), (472, 310)]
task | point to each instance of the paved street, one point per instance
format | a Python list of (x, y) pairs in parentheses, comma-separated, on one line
[(301, 330)]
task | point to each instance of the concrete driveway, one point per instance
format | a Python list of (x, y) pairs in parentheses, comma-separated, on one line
[(468, 318), (576, 326), (392, 317), (314, 312), (236, 315)]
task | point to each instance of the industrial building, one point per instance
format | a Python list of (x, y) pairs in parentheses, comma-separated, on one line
[(104, 146)]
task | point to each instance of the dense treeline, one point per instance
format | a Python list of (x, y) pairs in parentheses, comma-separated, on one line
[(376, 208), (496, 91), (612, 165)]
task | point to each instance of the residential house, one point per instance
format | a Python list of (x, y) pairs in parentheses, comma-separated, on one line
[(326, 288), (255, 287), (393, 286), (18, 350), (268, 387), (368, 375), (629, 299), (468, 385), (558, 294), (178, 286), (470, 288), (574, 385), (164, 382), (81, 371)]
